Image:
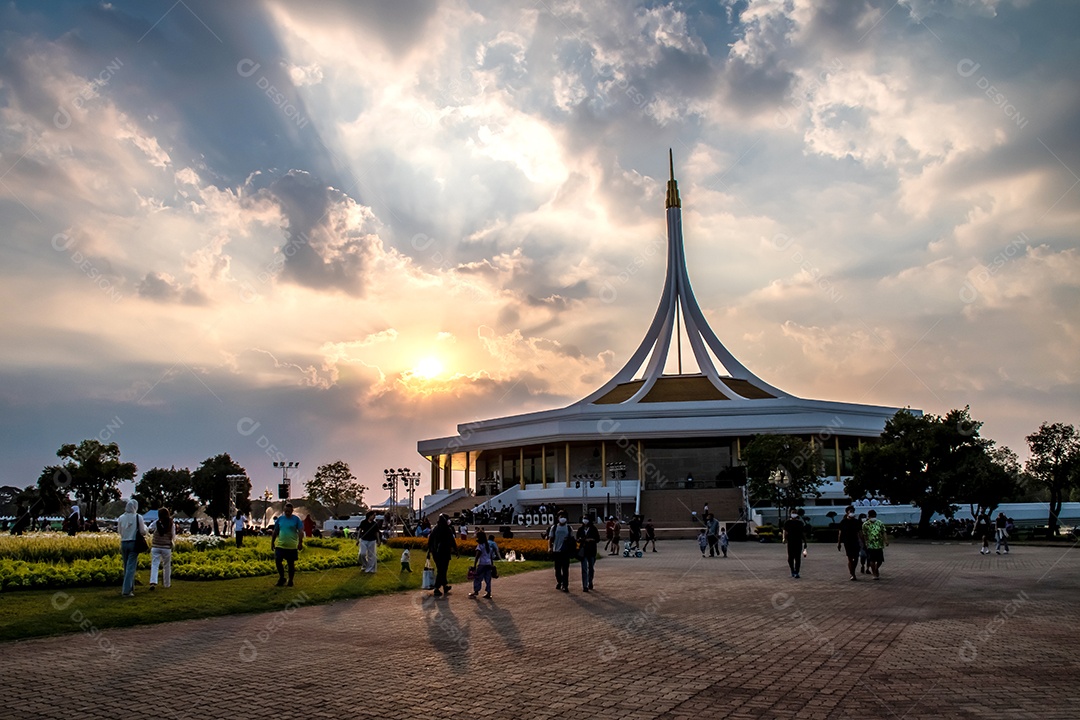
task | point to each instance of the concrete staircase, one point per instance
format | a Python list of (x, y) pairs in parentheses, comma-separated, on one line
[(671, 508), (465, 502)]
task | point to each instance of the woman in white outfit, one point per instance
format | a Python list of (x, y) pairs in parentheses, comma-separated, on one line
[(161, 544), (127, 525)]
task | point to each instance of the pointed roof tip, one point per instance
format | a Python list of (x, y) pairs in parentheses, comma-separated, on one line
[(672, 186)]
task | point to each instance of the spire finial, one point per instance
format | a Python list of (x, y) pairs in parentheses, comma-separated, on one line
[(672, 186)]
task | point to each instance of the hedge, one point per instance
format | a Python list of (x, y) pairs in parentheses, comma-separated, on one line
[(220, 563)]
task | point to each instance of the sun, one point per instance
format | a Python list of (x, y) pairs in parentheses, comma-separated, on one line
[(428, 368)]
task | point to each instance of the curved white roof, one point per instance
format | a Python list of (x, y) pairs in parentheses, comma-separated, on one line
[(640, 401)]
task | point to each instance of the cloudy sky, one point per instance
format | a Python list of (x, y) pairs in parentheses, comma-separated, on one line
[(326, 230)]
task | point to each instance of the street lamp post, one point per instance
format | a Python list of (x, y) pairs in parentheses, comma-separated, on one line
[(617, 471), (411, 481), (585, 481), (780, 477), (284, 488), (234, 482)]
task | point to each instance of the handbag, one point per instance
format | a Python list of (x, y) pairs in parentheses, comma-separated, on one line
[(494, 570), (140, 543), (471, 574), (428, 580)]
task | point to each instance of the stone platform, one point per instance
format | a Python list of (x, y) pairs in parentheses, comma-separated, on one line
[(946, 633)]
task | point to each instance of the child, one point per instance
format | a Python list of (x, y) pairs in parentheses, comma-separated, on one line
[(724, 540), (702, 541), (405, 561)]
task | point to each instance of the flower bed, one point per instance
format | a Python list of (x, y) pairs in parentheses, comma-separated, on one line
[(531, 549), (58, 547), (191, 561)]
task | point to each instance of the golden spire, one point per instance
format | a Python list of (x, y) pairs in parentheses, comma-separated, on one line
[(672, 186)]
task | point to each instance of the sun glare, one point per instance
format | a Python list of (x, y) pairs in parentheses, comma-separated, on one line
[(429, 368)]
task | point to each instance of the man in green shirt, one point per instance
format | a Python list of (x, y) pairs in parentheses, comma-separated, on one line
[(286, 541), (875, 540)]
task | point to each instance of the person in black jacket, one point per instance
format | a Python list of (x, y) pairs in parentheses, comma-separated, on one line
[(588, 538), (635, 532), (441, 544), (795, 538)]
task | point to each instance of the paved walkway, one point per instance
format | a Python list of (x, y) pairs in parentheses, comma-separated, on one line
[(945, 633)]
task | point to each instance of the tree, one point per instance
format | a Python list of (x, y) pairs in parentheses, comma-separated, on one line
[(170, 489), (1054, 463), (8, 493), (927, 461), (96, 471), (784, 468), (988, 475), (334, 485), (52, 491), (211, 485)]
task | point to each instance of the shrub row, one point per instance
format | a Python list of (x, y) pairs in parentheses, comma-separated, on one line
[(222, 563)]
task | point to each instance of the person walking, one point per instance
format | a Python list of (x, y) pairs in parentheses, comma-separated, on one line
[(635, 532), (239, 523), (724, 540), (286, 542), (616, 536), (862, 547), (982, 531), (1001, 531), (161, 545), (702, 541), (588, 539), (441, 544), (876, 538), (712, 534), (795, 538), (368, 536), (127, 526), (72, 521), (847, 540), (483, 564), (561, 542), (650, 535)]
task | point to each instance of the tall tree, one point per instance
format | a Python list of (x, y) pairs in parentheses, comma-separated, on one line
[(96, 471), (784, 468), (210, 483), (1054, 463), (8, 493), (52, 487), (922, 460), (334, 485), (170, 489), (987, 476)]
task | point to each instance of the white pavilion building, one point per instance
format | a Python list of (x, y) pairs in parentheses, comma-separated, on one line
[(646, 434)]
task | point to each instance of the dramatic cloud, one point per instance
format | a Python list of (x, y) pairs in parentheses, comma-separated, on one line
[(327, 230)]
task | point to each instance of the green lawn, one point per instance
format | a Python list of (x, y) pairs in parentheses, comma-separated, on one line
[(31, 613)]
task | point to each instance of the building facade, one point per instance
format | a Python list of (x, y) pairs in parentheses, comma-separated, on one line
[(646, 431)]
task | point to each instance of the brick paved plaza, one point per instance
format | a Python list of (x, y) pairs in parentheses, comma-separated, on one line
[(945, 633)]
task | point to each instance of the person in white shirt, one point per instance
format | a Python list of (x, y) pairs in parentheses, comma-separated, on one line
[(238, 529), (127, 525)]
